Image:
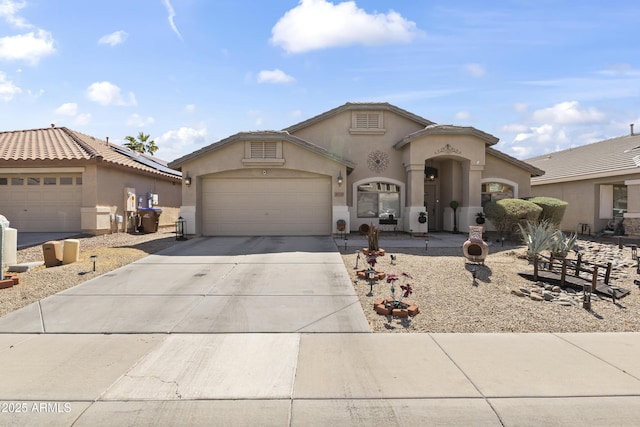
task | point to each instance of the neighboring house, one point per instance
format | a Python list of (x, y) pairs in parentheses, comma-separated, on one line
[(58, 180), (600, 181), (360, 162)]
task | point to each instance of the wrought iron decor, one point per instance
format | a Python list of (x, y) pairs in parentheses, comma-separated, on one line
[(378, 161), (448, 149)]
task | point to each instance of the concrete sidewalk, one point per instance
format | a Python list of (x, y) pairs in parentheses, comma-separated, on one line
[(269, 332), (321, 379)]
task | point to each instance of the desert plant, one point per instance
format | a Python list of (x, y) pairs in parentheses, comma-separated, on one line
[(538, 237), (372, 238), (506, 214), (561, 244), (552, 209)]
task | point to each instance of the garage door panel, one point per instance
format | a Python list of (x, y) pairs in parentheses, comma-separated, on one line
[(42, 208), (267, 206)]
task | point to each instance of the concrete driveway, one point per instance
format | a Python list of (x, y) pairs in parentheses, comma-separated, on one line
[(209, 285)]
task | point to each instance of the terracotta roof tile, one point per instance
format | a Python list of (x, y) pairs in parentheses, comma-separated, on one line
[(60, 144)]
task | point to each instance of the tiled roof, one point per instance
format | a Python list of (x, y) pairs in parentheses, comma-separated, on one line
[(62, 144), (359, 106), (605, 158), (435, 129)]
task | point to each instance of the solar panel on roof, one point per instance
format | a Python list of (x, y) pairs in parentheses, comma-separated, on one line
[(146, 161)]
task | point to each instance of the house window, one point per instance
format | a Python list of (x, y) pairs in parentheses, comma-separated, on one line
[(33, 181), (494, 191), (378, 200), (4, 181), (619, 200), (65, 180), (50, 181), (264, 150), (367, 122), (17, 181), (79, 180)]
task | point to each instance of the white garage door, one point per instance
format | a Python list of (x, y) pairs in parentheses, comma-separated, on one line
[(267, 206), (42, 203)]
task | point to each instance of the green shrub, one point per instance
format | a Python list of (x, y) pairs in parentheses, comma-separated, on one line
[(506, 214), (552, 209)]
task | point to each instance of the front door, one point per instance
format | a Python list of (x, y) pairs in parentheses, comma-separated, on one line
[(430, 202)]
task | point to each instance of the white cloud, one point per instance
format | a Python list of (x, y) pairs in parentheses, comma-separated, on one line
[(9, 10), (515, 128), (567, 113), (7, 89), (190, 108), (82, 119), (29, 47), (320, 24), (176, 143), (541, 139), (274, 76), (67, 109), (114, 38), (476, 70), (106, 93), (294, 114), (136, 120), (172, 14), (464, 116)]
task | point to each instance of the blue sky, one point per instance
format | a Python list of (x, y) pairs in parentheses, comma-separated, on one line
[(541, 75)]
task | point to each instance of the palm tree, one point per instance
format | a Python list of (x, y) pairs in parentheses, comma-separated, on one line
[(141, 144)]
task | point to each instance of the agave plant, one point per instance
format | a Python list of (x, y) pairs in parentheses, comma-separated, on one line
[(537, 236), (562, 244)]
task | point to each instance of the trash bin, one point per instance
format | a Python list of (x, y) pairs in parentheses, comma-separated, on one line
[(149, 219), (70, 251), (52, 251)]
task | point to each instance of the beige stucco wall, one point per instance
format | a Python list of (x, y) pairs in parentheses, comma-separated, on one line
[(583, 197), (502, 171), (333, 135), (103, 196)]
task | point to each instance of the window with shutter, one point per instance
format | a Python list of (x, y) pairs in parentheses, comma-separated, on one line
[(264, 150), (367, 122), (263, 153)]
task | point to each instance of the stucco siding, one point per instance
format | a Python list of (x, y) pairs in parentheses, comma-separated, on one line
[(498, 168)]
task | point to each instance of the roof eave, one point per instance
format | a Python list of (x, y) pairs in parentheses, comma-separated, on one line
[(373, 106), (259, 136), (447, 130)]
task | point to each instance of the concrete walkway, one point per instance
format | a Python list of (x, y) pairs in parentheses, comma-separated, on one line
[(241, 373)]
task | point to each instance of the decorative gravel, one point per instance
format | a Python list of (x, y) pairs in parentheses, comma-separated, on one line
[(451, 301), (443, 286)]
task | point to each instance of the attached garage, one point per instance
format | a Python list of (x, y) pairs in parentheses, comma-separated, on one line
[(266, 206), (40, 203)]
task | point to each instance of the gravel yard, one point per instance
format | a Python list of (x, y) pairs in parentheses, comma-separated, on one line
[(448, 297), (451, 301)]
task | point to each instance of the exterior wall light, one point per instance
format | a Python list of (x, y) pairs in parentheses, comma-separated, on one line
[(187, 180), (340, 178)]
